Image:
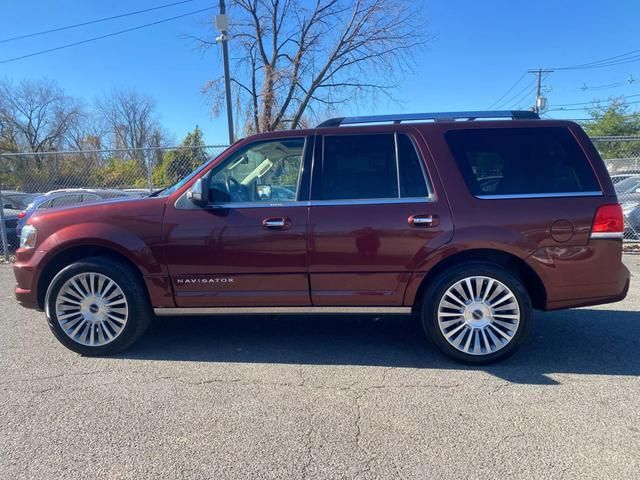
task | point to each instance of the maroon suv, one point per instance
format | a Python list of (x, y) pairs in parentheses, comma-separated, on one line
[(470, 220)]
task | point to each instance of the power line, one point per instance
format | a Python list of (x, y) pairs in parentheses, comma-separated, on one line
[(593, 101), (518, 94), (508, 91), (113, 34), (91, 22), (585, 108), (628, 57)]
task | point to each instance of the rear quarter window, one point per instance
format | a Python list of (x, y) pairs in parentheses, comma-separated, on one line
[(521, 161)]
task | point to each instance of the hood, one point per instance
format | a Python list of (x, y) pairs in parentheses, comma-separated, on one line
[(112, 211)]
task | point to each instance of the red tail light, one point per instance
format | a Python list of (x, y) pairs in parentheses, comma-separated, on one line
[(21, 214), (608, 222)]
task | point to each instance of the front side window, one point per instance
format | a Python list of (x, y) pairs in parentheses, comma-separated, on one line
[(361, 167), (521, 161), (263, 172)]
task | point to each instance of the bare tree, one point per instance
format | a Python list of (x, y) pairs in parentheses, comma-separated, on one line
[(87, 133), (295, 59), (37, 114), (130, 118)]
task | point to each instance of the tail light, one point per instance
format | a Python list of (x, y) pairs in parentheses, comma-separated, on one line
[(608, 222), (22, 214)]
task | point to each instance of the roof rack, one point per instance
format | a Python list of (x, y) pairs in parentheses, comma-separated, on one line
[(435, 116)]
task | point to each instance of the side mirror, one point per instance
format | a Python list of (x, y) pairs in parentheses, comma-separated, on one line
[(199, 192)]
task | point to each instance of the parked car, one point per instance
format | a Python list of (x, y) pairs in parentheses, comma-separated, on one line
[(621, 175), (629, 191), (12, 204), (629, 185), (389, 216), (64, 197)]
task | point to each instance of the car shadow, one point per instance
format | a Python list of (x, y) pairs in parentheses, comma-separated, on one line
[(581, 341)]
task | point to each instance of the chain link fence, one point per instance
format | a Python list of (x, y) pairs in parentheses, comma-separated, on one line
[(90, 175), (622, 157), (69, 177)]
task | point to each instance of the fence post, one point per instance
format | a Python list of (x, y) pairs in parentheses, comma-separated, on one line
[(3, 230), (149, 180)]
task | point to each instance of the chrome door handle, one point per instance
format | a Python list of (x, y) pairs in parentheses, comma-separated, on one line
[(276, 223), (423, 220)]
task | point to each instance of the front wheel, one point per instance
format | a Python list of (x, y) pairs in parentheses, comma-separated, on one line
[(97, 306), (477, 313)]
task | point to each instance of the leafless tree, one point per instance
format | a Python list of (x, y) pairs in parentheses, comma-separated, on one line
[(37, 114), (131, 120), (294, 59), (87, 133)]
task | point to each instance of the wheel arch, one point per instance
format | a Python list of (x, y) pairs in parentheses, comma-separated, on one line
[(72, 254), (514, 264)]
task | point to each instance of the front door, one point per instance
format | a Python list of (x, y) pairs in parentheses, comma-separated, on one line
[(248, 247), (374, 218)]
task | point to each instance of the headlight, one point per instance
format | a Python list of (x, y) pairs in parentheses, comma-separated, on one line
[(28, 236)]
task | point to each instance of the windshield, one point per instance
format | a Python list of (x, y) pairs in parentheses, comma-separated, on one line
[(169, 190), (628, 185)]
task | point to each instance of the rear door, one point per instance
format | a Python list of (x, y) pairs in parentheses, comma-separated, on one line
[(373, 218)]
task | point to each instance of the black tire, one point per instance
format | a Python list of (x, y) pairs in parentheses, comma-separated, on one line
[(436, 290), (139, 315)]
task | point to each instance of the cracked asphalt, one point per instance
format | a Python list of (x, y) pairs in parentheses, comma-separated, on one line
[(322, 397)]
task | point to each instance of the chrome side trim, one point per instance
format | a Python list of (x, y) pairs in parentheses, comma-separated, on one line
[(540, 195), (318, 203), (183, 311), (371, 201), (616, 235)]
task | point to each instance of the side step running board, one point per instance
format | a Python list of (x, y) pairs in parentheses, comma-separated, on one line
[(180, 311)]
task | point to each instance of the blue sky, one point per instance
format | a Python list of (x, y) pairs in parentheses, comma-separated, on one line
[(481, 49)]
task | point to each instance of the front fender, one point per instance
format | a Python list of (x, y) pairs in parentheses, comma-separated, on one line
[(123, 241)]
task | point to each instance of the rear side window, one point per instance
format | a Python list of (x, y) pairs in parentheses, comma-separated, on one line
[(361, 167), (65, 200), (412, 178), (521, 161)]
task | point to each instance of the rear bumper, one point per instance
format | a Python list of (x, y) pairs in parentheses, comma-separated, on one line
[(582, 276), (26, 272)]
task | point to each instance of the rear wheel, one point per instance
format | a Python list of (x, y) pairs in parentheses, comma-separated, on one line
[(477, 313), (97, 306)]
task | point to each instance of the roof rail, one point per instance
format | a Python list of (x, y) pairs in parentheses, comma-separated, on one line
[(435, 116)]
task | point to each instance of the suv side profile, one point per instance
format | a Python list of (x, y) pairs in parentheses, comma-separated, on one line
[(469, 220)]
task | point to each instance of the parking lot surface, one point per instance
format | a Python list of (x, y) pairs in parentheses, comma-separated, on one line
[(322, 397)]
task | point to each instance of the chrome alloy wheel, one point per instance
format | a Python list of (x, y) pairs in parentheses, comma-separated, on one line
[(91, 309), (478, 315)]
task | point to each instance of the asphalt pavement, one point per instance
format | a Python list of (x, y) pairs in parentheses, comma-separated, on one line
[(322, 397)]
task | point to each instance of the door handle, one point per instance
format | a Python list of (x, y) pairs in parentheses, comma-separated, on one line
[(276, 223), (424, 220)]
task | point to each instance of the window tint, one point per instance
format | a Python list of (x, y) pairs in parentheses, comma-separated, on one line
[(89, 197), (263, 172), (412, 181), (358, 167), (514, 161), (65, 200)]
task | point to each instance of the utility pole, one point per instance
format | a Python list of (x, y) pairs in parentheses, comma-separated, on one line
[(222, 24), (541, 102)]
